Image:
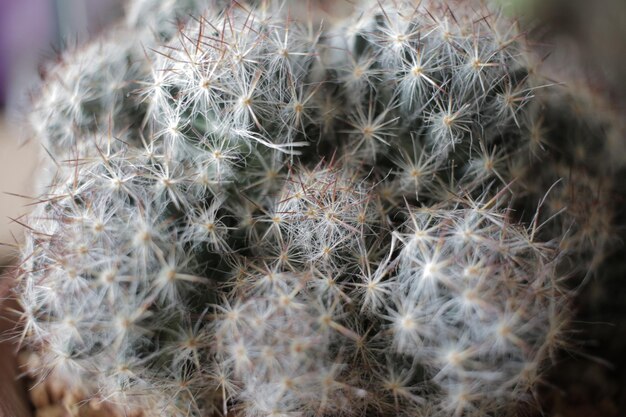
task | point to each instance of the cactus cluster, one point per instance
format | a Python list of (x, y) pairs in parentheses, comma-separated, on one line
[(258, 214)]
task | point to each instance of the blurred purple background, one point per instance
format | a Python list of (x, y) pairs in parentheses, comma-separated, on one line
[(31, 30)]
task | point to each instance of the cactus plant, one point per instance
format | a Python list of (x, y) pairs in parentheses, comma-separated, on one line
[(257, 214)]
